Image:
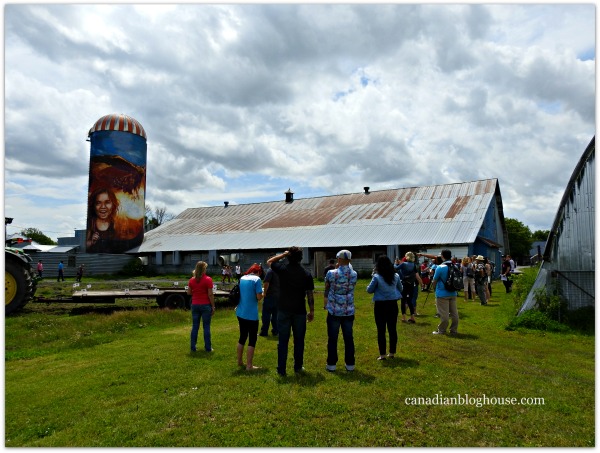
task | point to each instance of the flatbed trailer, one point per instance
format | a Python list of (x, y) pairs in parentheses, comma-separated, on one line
[(165, 297)]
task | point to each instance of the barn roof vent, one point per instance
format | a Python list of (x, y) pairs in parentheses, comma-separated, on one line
[(289, 196), (226, 203), (366, 190)]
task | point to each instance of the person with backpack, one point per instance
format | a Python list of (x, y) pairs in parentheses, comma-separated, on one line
[(468, 276), (481, 280), (445, 295), (409, 273)]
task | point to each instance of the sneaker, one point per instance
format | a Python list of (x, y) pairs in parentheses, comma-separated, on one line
[(330, 368), (349, 367), (281, 373), (391, 356), (263, 334), (381, 357), (300, 371), (436, 332)]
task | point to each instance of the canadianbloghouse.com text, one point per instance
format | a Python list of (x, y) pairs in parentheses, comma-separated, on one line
[(477, 401)]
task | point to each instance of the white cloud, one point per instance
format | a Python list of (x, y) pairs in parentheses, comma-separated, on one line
[(241, 102)]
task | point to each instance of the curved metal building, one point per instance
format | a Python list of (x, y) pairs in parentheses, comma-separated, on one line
[(117, 185), (569, 257)]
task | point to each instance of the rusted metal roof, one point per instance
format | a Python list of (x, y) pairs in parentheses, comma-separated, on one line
[(441, 214)]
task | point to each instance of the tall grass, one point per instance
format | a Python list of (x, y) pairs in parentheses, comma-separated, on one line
[(127, 378)]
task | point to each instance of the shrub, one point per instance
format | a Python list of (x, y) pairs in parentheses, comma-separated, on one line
[(549, 301), (133, 268), (535, 319)]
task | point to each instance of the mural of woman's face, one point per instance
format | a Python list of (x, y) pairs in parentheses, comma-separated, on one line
[(103, 206)]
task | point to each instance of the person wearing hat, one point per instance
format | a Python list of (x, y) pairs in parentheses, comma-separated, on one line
[(480, 279), (339, 303)]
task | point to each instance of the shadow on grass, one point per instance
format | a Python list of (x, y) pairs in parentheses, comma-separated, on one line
[(304, 379), (201, 354), (356, 375), (399, 362), (464, 336), (241, 371)]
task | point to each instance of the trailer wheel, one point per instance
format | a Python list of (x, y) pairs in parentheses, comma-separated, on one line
[(160, 300), (175, 301)]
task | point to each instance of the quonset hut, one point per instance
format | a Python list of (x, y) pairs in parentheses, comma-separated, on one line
[(465, 217), (568, 266)]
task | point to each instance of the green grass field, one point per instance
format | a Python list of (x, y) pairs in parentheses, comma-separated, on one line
[(126, 378)]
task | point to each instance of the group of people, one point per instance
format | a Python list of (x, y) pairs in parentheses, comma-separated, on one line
[(227, 272), (61, 271), (288, 288)]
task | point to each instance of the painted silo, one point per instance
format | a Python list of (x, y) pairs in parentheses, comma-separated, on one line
[(117, 185)]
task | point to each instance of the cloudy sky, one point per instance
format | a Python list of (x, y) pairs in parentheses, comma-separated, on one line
[(241, 102)]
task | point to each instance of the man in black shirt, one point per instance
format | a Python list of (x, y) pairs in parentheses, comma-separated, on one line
[(329, 268), (295, 287)]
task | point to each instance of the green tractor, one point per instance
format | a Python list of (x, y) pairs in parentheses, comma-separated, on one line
[(20, 281)]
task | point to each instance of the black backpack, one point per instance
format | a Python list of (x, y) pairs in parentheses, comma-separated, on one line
[(454, 281), (234, 295), (410, 278)]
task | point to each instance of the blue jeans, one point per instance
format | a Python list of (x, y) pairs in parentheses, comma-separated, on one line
[(204, 312), (269, 315), (290, 322), (333, 329)]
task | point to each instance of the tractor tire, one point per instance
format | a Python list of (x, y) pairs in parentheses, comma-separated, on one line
[(19, 286)]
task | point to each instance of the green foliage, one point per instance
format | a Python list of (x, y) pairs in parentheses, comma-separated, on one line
[(549, 301), (551, 312), (519, 238), (522, 284), (540, 235), (37, 236), (133, 268), (536, 320)]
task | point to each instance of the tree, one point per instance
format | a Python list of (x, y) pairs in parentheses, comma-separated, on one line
[(37, 236), (162, 215), (540, 235), (156, 217), (519, 238)]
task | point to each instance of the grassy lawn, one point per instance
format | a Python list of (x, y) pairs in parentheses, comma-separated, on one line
[(127, 379)]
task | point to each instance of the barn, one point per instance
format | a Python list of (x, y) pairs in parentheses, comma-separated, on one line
[(465, 217), (568, 267)]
